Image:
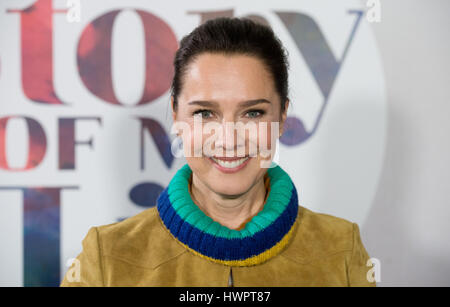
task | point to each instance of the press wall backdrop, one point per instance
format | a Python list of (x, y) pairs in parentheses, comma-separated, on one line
[(85, 117)]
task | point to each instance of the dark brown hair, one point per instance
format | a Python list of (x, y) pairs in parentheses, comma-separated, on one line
[(233, 36)]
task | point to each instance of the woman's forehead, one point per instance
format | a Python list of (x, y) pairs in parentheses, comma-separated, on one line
[(227, 77)]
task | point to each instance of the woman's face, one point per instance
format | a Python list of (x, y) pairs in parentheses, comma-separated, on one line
[(215, 89)]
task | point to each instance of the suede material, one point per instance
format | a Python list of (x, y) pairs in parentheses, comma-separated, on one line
[(324, 251)]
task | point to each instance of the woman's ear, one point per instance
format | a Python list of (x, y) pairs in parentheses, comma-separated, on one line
[(174, 113)]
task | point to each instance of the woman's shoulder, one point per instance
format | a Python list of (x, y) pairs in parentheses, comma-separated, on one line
[(324, 224), (145, 221), (319, 235), (140, 239)]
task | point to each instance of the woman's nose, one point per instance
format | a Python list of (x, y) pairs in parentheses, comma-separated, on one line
[(230, 139)]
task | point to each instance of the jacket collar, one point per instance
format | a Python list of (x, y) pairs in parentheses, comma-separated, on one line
[(263, 237)]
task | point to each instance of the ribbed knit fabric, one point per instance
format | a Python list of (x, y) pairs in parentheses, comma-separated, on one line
[(263, 237)]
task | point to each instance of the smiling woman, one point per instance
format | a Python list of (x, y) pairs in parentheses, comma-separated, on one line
[(224, 219)]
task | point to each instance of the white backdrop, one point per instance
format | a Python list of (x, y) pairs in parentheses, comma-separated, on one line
[(407, 228)]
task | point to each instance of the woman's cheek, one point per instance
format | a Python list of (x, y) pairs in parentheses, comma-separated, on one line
[(264, 138), (194, 142), (268, 135)]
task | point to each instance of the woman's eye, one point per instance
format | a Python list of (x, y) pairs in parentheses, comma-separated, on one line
[(255, 113), (206, 114), (202, 112)]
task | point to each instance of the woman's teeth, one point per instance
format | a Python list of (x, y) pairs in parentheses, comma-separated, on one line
[(230, 164)]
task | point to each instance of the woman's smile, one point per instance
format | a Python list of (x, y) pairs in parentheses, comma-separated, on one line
[(229, 165)]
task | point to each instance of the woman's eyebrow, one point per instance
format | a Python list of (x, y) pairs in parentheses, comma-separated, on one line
[(243, 104)]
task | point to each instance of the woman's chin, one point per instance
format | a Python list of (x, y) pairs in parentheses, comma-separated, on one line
[(230, 191)]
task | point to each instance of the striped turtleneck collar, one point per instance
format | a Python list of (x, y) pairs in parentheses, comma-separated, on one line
[(263, 237)]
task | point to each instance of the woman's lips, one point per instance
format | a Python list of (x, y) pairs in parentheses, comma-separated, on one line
[(226, 168), (229, 158)]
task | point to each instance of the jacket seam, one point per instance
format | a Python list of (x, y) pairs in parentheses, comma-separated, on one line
[(129, 262), (141, 266), (167, 260), (100, 252), (324, 256)]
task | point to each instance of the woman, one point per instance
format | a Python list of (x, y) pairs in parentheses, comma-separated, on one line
[(227, 219)]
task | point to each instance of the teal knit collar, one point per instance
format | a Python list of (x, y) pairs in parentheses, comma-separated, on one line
[(264, 236)]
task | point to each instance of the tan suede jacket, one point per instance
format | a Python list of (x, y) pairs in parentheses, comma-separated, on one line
[(324, 251)]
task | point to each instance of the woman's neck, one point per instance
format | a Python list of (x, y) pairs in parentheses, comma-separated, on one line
[(233, 213)]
